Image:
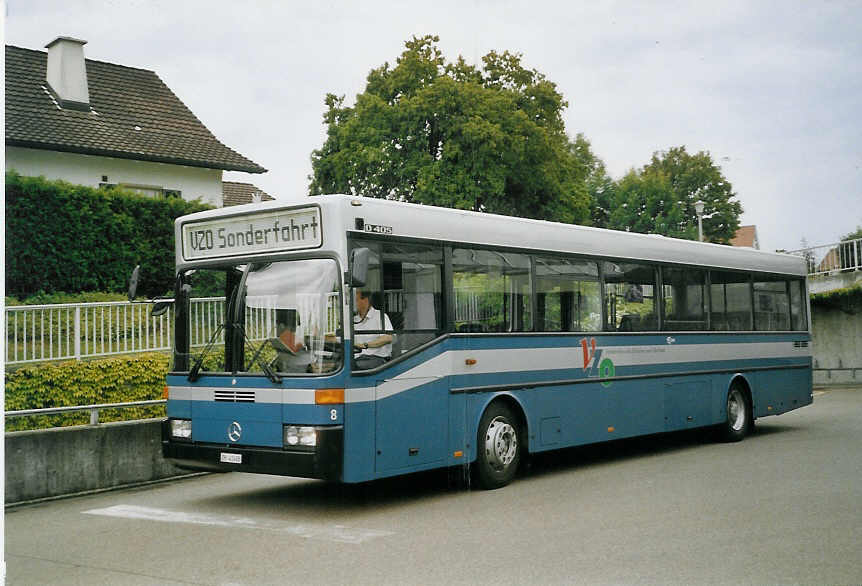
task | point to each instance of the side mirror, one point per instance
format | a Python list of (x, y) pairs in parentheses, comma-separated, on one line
[(133, 282), (359, 260), (160, 307)]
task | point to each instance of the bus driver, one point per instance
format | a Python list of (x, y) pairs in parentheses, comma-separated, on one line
[(375, 349)]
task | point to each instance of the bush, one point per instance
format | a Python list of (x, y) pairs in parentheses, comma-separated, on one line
[(848, 300), (42, 298), (64, 237), (113, 380)]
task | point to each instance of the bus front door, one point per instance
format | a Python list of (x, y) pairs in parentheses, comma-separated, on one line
[(411, 423)]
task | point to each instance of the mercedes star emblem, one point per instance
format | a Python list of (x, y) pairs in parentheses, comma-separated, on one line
[(234, 431)]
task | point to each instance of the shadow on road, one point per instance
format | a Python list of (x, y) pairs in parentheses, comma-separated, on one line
[(637, 447), (314, 495)]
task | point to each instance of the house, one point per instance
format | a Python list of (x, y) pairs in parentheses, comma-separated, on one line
[(102, 124), (746, 236), (235, 193)]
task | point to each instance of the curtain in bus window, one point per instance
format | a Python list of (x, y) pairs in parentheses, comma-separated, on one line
[(684, 295), (798, 306), (412, 293), (492, 291), (771, 304), (568, 295), (730, 308), (629, 297), (297, 303)]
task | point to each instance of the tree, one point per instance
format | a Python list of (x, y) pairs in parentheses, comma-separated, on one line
[(853, 235), (660, 198), (645, 202), (601, 188), (453, 135)]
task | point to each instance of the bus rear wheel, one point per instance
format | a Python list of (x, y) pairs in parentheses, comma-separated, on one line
[(740, 419), (498, 447)]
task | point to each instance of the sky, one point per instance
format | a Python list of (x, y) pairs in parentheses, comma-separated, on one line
[(772, 90)]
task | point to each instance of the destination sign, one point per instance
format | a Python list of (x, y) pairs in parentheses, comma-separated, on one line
[(263, 232)]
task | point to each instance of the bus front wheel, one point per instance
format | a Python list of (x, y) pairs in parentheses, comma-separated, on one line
[(498, 447), (739, 415)]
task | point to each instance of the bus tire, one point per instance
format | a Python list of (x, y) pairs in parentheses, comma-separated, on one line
[(498, 447), (740, 418)]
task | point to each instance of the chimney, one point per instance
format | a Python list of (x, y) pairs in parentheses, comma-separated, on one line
[(67, 74)]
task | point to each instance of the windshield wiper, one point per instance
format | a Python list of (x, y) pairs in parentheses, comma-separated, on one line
[(193, 373), (263, 365)]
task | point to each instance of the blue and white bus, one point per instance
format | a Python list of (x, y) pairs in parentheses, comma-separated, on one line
[(496, 338)]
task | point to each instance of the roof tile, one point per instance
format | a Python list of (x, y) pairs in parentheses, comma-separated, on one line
[(235, 193)]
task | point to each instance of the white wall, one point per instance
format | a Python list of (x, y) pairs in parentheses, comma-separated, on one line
[(194, 182)]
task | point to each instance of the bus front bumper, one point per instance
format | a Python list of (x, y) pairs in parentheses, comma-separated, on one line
[(323, 462)]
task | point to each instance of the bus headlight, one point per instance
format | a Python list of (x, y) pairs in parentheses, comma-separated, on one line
[(181, 429), (300, 436)]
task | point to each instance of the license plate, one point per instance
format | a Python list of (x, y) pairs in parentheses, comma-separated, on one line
[(231, 458)]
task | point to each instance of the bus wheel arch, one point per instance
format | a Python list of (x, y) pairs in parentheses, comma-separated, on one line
[(501, 442), (739, 410)]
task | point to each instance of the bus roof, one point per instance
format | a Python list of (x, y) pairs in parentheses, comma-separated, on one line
[(399, 219)]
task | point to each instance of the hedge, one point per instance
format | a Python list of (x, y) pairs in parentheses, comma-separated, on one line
[(64, 237), (42, 298), (848, 299), (118, 379)]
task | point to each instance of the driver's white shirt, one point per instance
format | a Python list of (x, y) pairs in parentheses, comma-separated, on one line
[(372, 322)]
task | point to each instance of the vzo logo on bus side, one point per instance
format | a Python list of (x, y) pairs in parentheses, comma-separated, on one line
[(593, 357)]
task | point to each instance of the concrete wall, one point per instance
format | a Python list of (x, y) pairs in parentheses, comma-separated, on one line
[(837, 345), (54, 462), (837, 280), (193, 182)]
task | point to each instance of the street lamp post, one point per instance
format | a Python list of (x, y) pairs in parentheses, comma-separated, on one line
[(698, 209)]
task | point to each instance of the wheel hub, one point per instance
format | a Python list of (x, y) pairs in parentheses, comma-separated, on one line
[(501, 443), (736, 410)]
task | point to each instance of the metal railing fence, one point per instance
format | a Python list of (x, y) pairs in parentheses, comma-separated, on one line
[(830, 258), (471, 304), (39, 333), (36, 333), (93, 409)]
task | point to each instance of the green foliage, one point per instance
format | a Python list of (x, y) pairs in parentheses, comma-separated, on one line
[(660, 198), (848, 299), (601, 188), (454, 135), (64, 237), (112, 380), (853, 235), (644, 202), (42, 298)]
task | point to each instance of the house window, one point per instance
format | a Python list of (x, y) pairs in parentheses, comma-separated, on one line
[(148, 190)]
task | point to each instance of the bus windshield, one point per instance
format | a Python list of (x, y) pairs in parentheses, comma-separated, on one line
[(263, 318)]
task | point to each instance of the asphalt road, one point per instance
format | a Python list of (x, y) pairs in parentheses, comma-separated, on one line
[(784, 506)]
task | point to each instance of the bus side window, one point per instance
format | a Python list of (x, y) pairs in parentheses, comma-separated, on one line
[(797, 305), (730, 294), (569, 298), (492, 291), (771, 304), (684, 299), (412, 294), (630, 295)]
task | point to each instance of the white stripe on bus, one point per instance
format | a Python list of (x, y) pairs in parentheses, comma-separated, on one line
[(502, 361)]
